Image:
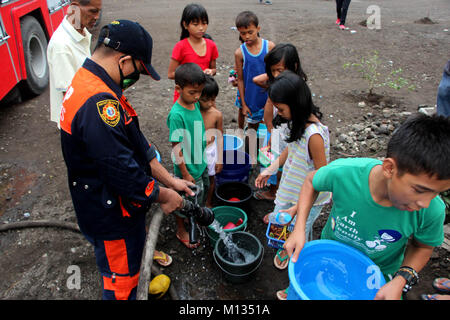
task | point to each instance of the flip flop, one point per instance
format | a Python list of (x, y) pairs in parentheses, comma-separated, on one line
[(282, 294), (280, 265), (187, 244), (159, 286), (162, 258), (259, 195), (441, 282), (429, 296)]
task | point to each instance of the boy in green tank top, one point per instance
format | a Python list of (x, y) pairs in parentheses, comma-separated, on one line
[(187, 135), (379, 205)]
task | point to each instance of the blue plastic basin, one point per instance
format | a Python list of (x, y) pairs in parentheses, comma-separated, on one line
[(330, 270)]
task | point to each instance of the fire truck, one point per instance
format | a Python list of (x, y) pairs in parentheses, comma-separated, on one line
[(25, 29)]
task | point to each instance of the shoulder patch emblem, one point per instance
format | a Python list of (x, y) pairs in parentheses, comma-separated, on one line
[(109, 111)]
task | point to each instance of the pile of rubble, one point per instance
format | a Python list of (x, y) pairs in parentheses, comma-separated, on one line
[(368, 137)]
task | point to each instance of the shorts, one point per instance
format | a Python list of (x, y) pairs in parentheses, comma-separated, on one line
[(256, 117), (211, 158), (238, 103)]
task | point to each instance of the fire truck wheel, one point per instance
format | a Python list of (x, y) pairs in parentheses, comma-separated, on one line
[(35, 52)]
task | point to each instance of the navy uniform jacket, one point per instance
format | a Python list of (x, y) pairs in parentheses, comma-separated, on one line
[(107, 156)]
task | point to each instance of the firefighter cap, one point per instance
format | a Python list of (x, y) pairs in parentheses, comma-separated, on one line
[(131, 38)]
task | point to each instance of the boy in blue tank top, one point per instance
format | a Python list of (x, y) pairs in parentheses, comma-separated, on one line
[(249, 60)]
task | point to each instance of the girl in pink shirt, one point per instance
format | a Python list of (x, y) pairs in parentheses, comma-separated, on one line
[(193, 47)]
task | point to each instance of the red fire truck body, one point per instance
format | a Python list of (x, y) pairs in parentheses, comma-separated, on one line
[(25, 29)]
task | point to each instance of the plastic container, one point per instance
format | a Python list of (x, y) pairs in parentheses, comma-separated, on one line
[(263, 134), (236, 167), (280, 218), (225, 215), (265, 157), (239, 272), (232, 142), (273, 240), (330, 270)]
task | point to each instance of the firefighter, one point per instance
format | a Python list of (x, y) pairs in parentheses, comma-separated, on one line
[(113, 171)]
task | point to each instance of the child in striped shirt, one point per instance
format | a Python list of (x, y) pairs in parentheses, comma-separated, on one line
[(308, 149)]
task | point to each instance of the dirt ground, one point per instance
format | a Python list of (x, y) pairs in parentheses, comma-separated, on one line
[(35, 263)]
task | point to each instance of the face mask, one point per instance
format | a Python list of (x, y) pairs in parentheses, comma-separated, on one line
[(128, 81)]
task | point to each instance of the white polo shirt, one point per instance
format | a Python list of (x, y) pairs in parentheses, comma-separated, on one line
[(66, 53)]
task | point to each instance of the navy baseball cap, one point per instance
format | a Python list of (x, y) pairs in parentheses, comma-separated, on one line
[(131, 38)]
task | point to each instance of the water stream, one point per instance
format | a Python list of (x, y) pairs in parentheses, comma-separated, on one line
[(235, 254)]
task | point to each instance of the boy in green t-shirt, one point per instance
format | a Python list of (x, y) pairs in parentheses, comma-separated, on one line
[(379, 205), (187, 135)]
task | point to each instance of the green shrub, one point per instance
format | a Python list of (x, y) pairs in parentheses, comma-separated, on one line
[(370, 69)]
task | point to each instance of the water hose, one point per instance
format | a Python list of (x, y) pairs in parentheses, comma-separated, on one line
[(38, 224), (147, 266), (147, 255)]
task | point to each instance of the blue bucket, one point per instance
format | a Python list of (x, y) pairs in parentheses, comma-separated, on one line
[(263, 134), (236, 167), (231, 142), (330, 270)]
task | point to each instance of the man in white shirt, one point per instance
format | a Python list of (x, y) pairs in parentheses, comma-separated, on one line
[(69, 46)]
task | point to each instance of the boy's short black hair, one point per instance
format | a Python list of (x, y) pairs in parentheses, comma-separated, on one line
[(245, 19), (189, 74), (422, 145), (211, 88)]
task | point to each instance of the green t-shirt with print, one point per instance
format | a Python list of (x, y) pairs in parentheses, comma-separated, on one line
[(355, 219), (187, 127)]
